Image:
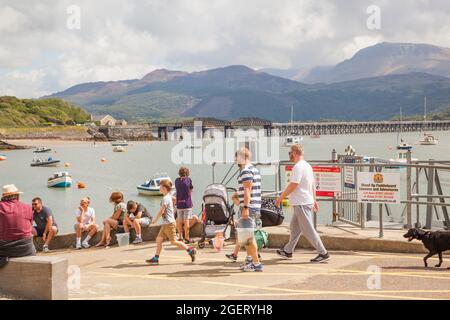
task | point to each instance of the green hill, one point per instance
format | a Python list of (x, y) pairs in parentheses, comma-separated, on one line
[(16, 112)]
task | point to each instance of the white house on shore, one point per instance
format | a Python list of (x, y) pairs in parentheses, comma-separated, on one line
[(107, 120)]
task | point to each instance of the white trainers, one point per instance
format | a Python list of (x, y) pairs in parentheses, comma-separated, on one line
[(85, 245), (78, 246), (45, 248), (137, 240)]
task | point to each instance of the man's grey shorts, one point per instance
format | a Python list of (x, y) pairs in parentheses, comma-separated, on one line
[(184, 214)]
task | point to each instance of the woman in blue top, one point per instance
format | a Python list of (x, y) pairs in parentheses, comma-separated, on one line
[(183, 186)]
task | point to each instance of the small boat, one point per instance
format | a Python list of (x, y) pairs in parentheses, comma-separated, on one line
[(404, 146), (3, 157), (193, 146), (50, 162), (119, 149), (42, 150), (429, 140), (290, 141), (315, 136), (402, 158), (119, 143), (151, 187), (60, 180)]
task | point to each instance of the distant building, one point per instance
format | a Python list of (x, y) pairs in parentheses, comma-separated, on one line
[(121, 123), (107, 120)]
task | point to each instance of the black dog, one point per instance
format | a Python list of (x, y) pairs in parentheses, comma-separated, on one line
[(435, 241)]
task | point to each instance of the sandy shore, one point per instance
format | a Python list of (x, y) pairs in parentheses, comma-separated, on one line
[(47, 142), (57, 142)]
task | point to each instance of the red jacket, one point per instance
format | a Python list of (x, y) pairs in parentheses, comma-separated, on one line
[(15, 220)]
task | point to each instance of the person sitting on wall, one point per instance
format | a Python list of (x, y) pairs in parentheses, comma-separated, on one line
[(85, 216), (116, 220), (16, 238), (137, 217), (46, 226)]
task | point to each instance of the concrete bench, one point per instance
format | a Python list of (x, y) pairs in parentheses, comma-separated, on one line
[(37, 277)]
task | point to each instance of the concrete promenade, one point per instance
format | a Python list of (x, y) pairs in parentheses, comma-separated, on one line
[(121, 273), (362, 266)]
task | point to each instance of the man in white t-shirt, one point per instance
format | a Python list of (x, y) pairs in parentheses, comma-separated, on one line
[(85, 216), (302, 197)]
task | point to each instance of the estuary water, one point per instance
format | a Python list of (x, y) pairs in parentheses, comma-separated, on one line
[(124, 171)]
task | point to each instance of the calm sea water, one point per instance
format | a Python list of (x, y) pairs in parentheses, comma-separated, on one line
[(124, 171)]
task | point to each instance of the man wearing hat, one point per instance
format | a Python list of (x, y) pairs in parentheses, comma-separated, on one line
[(16, 239)]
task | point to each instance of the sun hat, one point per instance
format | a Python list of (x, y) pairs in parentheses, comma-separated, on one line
[(9, 190)]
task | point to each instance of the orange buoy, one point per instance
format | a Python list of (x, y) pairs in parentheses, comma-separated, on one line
[(81, 185), (66, 164), (103, 160)]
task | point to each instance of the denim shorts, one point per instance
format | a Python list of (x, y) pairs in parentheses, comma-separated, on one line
[(255, 215), (184, 214)]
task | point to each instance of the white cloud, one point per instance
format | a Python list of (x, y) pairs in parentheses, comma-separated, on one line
[(127, 39)]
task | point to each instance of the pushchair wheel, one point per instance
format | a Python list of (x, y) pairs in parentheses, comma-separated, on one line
[(201, 244)]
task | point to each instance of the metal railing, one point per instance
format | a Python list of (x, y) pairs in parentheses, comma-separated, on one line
[(345, 206)]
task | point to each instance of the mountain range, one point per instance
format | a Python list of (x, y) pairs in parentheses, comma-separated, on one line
[(379, 60), (372, 85)]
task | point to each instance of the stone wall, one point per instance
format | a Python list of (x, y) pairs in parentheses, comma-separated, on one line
[(134, 133), (67, 241)]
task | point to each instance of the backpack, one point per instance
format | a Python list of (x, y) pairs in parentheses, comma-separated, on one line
[(262, 239)]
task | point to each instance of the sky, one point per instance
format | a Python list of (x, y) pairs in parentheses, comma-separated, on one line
[(49, 45)]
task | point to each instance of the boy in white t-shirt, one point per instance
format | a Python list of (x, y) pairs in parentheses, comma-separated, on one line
[(302, 197), (85, 216)]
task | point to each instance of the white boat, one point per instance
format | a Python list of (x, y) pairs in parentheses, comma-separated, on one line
[(292, 140), (402, 158), (429, 140), (119, 149), (60, 180), (151, 187), (193, 146), (3, 157), (119, 143)]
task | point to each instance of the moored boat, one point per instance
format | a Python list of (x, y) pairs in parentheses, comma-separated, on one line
[(50, 162), (60, 180), (404, 146), (290, 141), (119, 149), (3, 157), (119, 143), (429, 140), (399, 162), (42, 150), (151, 187)]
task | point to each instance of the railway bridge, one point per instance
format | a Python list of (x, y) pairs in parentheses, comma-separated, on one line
[(162, 129)]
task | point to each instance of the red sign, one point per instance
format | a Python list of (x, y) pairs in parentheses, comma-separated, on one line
[(328, 180)]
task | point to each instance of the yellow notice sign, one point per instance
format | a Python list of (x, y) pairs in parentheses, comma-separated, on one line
[(377, 187)]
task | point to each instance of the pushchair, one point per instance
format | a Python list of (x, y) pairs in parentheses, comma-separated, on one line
[(217, 213)]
